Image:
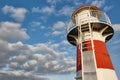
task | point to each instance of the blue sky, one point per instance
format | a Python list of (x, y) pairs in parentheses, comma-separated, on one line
[(33, 43)]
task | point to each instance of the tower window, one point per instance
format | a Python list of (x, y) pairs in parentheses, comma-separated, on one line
[(93, 13)]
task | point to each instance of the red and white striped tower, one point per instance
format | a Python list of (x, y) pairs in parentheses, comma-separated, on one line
[(89, 30)]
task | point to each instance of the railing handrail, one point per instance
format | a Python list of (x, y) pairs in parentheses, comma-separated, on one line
[(102, 18)]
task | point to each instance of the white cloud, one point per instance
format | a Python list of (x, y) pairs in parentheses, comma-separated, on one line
[(77, 2), (44, 18), (56, 33), (57, 66), (16, 13), (5, 52), (35, 23), (40, 58), (12, 31), (14, 75), (59, 28), (19, 58), (98, 3), (87, 1), (116, 27), (36, 9), (107, 8), (54, 46), (42, 27), (53, 1), (46, 9), (59, 25), (14, 65), (64, 42), (66, 10), (52, 62), (30, 64)]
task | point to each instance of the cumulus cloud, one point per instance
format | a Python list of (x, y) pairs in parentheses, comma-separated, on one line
[(46, 9), (56, 33), (19, 58), (34, 25), (12, 31), (59, 25), (10, 75), (116, 27), (77, 2), (98, 3), (29, 65), (57, 66), (64, 42), (4, 52), (53, 1), (47, 60), (16, 13), (88, 1), (107, 8), (41, 58), (14, 65), (59, 28), (66, 11), (8, 52)]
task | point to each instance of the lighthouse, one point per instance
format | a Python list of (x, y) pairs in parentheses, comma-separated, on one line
[(89, 30)]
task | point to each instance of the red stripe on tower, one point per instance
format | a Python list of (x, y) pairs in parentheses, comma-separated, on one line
[(102, 57), (101, 54), (79, 66)]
